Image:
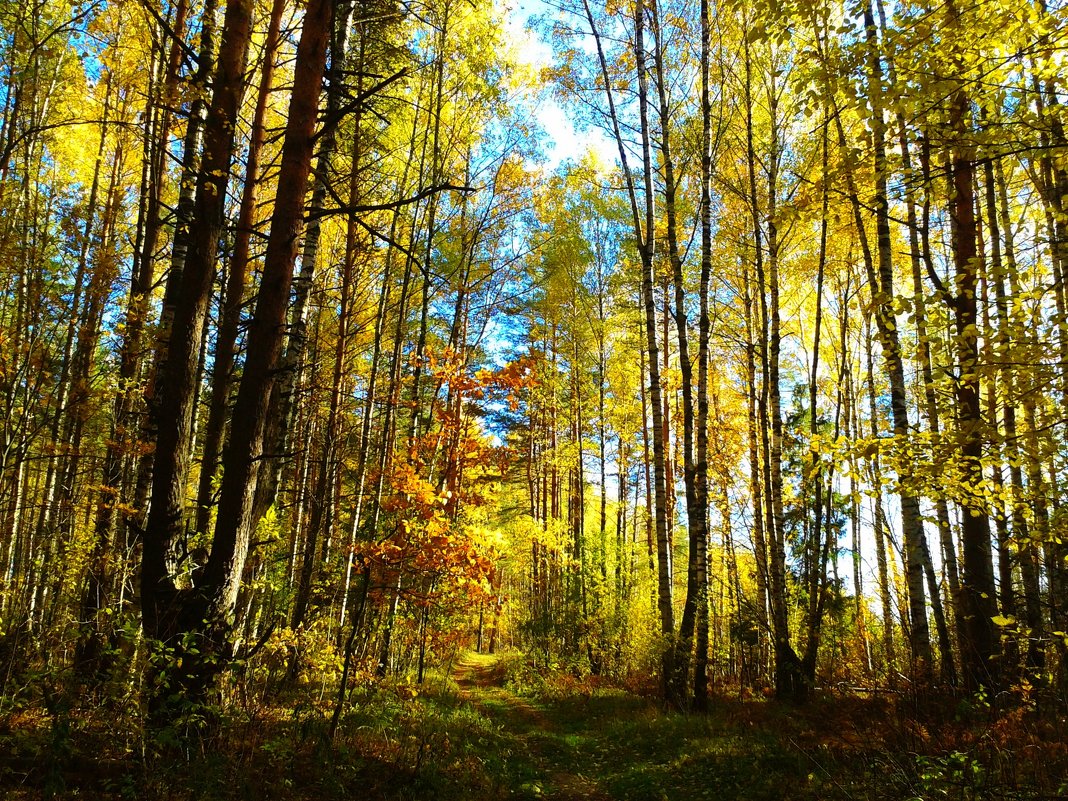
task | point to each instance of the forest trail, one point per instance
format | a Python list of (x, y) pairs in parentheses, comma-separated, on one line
[(574, 738), (477, 670), (558, 766)]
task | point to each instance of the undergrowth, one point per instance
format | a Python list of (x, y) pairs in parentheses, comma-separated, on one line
[(527, 732)]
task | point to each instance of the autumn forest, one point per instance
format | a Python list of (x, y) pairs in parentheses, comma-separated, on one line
[(362, 438)]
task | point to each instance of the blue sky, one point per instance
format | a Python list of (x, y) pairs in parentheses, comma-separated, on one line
[(566, 141)]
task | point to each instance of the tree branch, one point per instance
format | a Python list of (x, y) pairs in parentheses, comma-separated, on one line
[(318, 214)]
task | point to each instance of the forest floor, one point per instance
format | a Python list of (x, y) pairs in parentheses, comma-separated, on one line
[(580, 743), (491, 728), (567, 739), (556, 761)]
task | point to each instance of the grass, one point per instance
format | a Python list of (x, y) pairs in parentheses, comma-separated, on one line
[(480, 739)]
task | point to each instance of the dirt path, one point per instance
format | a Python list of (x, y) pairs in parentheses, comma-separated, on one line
[(477, 670), (480, 677)]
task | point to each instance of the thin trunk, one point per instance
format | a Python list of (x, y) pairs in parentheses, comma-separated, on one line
[(882, 290), (696, 516), (643, 225), (921, 260), (885, 599), (756, 486), (816, 561), (700, 680), (1020, 457)]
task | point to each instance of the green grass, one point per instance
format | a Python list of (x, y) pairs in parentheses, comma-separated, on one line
[(629, 749), (482, 740)]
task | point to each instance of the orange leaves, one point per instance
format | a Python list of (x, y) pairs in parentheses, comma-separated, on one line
[(409, 491), (449, 557), (431, 532), (451, 369), (428, 539), (516, 376)]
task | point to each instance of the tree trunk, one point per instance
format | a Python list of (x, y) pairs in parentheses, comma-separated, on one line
[(165, 612), (207, 611), (882, 290), (237, 280), (979, 656)]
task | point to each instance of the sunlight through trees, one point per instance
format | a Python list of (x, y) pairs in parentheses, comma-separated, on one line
[(313, 372)]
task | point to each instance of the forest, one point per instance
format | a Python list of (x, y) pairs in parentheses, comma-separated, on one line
[(359, 438)]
